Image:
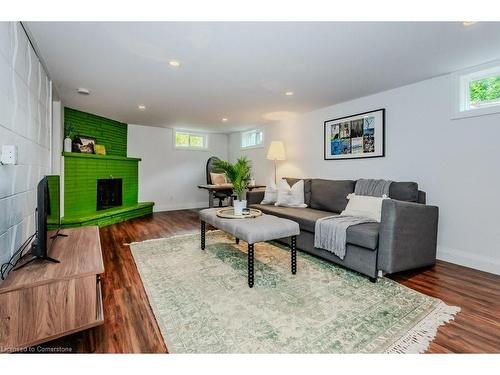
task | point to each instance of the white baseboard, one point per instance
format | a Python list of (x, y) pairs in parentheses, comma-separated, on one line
[(467, 259), (183, 206)]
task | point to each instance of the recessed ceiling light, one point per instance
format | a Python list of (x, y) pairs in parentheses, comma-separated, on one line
[(289, 93), (174, 63), (224, 119), (83, 91), (141, 107), (468, 23)]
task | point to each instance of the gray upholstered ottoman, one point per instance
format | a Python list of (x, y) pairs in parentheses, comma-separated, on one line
[(259, 229)]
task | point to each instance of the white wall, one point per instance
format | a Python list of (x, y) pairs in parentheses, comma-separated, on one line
[(24, 121), (169, 176), (457, 162), (260, 165), (57, 137)]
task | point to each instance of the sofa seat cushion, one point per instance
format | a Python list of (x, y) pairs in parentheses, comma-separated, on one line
[(305, 217), (364, 235)]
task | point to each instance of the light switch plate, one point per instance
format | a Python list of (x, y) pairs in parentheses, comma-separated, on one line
[(9, 154)]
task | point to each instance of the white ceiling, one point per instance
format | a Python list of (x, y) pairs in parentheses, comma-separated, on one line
[(242, 70)]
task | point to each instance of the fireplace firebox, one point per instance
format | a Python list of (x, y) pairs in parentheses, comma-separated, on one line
[(109, 193)]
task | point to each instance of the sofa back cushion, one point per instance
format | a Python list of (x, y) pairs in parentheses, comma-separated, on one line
[(404, 191), (338, 190), (330, 195), (307, 187)]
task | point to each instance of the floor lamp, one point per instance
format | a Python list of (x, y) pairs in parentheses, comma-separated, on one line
[(276, 152)]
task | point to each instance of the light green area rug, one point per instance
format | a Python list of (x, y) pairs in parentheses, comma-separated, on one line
[(203, 304)]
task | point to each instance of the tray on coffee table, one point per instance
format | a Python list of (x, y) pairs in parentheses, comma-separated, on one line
[(228, 213)]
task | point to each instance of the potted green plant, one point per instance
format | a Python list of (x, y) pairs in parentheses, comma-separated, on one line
[(239, 175), (68, 141)]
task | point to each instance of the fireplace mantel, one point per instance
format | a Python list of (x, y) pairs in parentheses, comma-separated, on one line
[(95, 156)]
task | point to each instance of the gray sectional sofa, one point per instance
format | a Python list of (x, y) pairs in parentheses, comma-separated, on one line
[(405, 238)]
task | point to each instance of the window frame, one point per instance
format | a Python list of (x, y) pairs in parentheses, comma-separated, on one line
[(461, 96), (255, 130), (190, 133)]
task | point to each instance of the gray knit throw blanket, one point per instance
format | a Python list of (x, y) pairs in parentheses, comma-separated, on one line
[(330, 233), (374, 188)]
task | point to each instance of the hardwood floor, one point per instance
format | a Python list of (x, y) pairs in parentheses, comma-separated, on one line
[(476, 329), (130, 326)]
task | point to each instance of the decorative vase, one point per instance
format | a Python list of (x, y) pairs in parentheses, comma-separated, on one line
[(239, 206), (67, 144)]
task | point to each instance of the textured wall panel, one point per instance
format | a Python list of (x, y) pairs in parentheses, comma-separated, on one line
[(24, 122)]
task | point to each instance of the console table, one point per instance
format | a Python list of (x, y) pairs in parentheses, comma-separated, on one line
[(44, 301)]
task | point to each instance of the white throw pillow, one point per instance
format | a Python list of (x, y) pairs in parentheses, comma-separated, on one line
[(218, 178), (291, 196), (364, 206), (271, 194)]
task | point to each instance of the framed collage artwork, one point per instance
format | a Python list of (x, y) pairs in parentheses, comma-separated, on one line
[(357, 136)]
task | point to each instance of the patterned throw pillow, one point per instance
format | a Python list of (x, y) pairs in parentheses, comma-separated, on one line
[(290, 196), (271, 193)]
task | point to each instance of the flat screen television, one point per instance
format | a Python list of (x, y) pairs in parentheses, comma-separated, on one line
[(46, 214), (40, 246), (47, 191)]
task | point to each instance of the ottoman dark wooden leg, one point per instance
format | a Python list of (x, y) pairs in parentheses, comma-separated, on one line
[(250, 265), (293, 248), (202, 235), (237, 241)]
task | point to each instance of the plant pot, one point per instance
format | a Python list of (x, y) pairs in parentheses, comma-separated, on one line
[(67, 144), (239, 206)]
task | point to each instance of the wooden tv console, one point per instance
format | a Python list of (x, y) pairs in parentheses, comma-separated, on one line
[(44, 301)]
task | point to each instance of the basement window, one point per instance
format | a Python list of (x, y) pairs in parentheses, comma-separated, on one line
[(252, 138), (477, 91), (190, 141)]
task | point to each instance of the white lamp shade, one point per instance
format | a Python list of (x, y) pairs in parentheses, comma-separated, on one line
[(276, 151)]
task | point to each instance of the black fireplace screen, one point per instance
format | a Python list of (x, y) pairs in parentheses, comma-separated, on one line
[(109, 193)]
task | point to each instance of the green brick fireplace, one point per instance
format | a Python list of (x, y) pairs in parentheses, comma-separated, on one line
[(82, 171)]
